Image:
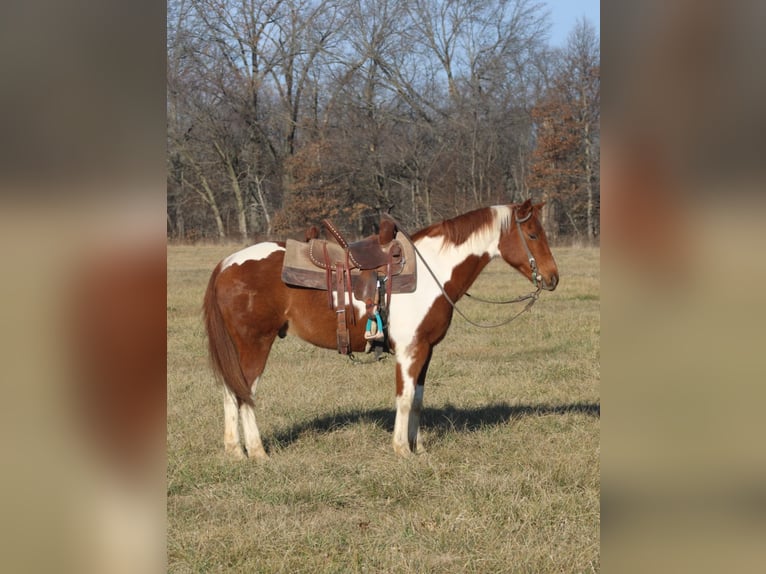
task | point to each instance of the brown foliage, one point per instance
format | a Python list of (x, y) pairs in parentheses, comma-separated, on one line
[(565, 162), (315, 192), (556, 161)]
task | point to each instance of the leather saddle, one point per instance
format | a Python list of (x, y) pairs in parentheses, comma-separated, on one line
[(358, 270), (368, 253)]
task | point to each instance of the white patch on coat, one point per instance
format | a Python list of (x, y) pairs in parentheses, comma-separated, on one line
[(359, 306), (403, 402), (503, 215), (253, 253)]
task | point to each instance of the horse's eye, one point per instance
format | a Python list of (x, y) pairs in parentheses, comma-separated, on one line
[(532, 236)]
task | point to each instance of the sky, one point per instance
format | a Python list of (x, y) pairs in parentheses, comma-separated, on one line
[(565, 13)]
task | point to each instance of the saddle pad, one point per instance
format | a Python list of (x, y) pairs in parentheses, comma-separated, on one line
[(298, 269)]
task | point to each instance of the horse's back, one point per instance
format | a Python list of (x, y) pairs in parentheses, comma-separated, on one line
[(258, 252)]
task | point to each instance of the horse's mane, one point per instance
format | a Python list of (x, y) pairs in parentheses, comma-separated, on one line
[(460, 229)]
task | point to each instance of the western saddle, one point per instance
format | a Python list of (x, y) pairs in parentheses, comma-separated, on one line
[(360, 270)]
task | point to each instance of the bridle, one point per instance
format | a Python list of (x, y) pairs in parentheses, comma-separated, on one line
[(536, 277)]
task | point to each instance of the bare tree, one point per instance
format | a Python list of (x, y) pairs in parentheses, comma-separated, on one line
[(566, 159), (583, 73)]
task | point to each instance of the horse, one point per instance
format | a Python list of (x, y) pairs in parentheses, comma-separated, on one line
[(247, 306)]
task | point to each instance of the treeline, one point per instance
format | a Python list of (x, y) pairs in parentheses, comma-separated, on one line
[(282, 112)]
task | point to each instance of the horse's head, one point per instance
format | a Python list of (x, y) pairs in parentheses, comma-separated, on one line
[(524, 246)]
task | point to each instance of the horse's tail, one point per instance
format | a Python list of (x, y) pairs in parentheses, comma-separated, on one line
[(224, 358)]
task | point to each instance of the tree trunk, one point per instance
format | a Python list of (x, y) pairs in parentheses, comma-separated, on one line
[(587, 165), (209, 198), (262, 202), (235, 187), (549, 217), (206, 193)]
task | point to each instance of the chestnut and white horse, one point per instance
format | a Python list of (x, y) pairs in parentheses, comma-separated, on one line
[(247, 306)]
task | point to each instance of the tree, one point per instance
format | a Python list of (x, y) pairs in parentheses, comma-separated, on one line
[(567, 119)]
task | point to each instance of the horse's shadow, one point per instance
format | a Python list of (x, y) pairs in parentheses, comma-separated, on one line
[(438, 421)]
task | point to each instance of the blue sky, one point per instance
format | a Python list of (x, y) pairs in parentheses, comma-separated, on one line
[(565, 13)]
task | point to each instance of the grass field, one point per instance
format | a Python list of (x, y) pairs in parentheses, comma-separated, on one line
[(509, 483)]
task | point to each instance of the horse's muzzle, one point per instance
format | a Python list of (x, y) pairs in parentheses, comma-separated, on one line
[(550, 283)]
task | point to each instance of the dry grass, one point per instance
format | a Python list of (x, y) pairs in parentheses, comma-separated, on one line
[(510, 482)]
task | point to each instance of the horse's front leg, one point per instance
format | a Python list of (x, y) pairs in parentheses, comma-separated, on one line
[(411, 371)]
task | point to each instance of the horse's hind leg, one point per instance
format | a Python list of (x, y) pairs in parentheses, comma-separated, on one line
[(231, 443), (231, 415), (252, 366), (253, 442)]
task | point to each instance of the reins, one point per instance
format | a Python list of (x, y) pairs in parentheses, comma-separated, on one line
[(531, 296)]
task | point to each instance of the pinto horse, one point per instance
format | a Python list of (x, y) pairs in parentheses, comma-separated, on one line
[(247, 306)]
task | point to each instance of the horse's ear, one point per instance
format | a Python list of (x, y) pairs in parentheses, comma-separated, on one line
[(523, 210), (312, 233)]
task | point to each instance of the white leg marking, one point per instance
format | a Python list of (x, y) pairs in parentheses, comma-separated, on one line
[(404, 402), (253, 442), (231, 444)]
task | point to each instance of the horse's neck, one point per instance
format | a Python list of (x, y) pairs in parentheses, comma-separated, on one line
[(466, 274), (458, 266)]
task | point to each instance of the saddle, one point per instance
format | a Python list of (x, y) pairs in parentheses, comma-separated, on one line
[(358, 270)]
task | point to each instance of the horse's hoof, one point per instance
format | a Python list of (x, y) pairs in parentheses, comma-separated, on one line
[(402, 450), (235, 452), (258, 454)]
